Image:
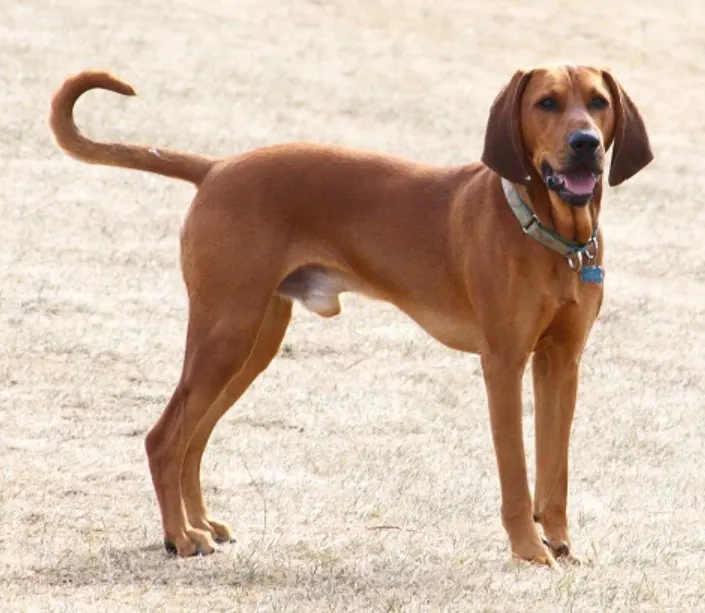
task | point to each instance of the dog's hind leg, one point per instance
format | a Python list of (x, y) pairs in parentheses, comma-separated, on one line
[(270, 336), (231, 276), (212, 357)]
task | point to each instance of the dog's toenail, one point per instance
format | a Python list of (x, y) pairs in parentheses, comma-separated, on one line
[(224, 539)]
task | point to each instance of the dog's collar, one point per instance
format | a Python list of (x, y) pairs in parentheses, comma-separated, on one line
[(574, 253)]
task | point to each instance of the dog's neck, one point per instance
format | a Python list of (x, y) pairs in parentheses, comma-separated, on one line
[(571, 223)]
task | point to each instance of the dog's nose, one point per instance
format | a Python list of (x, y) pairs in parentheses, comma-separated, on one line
[(583, 142)]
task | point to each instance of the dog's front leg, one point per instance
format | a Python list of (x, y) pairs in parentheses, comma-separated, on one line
[(503, 377), (555, 374)]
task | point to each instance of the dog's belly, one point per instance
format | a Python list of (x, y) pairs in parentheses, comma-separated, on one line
[(318, 289), (455, 330)]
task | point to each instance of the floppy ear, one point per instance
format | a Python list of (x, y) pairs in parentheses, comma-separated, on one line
[(504, 150), (632, 150)]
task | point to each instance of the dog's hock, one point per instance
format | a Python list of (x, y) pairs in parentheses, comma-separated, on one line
[(317, 288)]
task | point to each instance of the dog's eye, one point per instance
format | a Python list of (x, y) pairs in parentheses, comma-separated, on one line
[(548, 104), (598, 103)]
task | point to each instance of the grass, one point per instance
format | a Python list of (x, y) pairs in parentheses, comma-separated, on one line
[(358, 471)]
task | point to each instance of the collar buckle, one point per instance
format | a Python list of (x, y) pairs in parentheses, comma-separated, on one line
[(532, 221)]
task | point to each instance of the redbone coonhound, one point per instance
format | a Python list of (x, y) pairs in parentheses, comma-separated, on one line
[(500, 258)]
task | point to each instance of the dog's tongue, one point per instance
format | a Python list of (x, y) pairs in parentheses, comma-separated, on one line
[(580, 184)]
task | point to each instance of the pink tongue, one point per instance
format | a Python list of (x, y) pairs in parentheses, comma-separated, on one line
[(580, 185)]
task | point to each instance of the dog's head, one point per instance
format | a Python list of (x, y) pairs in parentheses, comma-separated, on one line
[(556, 124)]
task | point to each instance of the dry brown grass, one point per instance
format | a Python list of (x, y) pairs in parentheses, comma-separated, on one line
[(364, 422)]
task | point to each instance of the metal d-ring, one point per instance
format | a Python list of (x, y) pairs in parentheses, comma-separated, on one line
[(591, 249), (575, 260)]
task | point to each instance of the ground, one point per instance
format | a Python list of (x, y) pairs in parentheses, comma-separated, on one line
[(358, 472)]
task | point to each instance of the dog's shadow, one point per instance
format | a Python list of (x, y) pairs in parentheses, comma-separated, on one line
[(152, 567), (256, 565)]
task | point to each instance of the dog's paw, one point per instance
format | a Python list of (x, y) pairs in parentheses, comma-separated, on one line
[(535, 553), (191, 543), (219, 531), (222, 533), (562, 552)]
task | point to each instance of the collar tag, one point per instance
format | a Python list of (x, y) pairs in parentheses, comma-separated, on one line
[(592, 274)]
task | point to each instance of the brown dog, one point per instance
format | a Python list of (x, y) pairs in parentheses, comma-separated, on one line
[(448, 246)]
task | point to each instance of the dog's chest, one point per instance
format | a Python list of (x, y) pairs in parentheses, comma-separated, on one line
[(580, 288)]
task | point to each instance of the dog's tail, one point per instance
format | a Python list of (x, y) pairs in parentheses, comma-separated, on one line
[(185, 166)]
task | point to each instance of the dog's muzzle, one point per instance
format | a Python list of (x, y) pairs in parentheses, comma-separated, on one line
[(575, 183)]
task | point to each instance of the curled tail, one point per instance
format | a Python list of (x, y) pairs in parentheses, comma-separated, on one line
[(185, 166)]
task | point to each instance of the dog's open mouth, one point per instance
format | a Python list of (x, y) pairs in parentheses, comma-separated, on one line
[(575, 185)]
